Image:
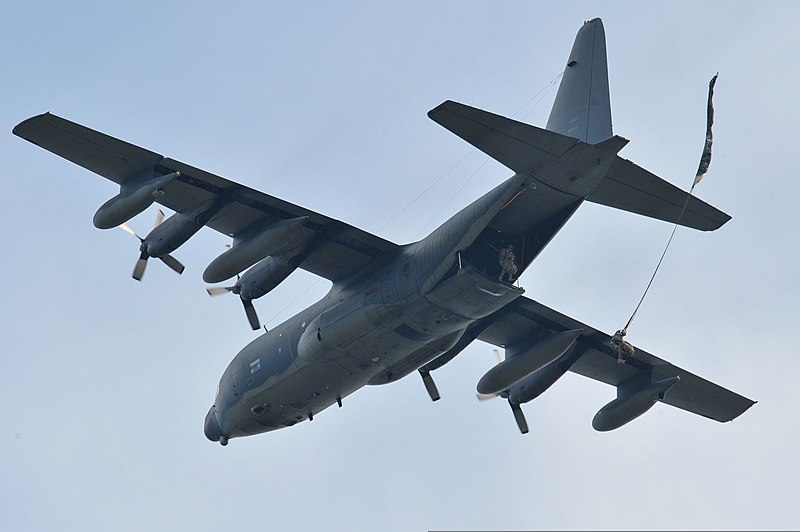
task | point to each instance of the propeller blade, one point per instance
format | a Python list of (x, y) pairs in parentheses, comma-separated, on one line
[(519, 417), (497, 355), (138, 270), (252, 317), (128, 229), (172, 262), (485, 396), (159, 218), (218, 290)]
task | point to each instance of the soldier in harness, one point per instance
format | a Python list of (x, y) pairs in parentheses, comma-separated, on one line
[(509, 267), (624, 349)]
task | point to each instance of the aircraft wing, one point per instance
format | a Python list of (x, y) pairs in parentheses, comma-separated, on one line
[(597, 360), (338, 249)]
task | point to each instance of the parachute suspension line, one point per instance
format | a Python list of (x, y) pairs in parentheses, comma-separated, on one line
[(452, 196), (433, 184), (705, 160), (292, 302), (540, 95)]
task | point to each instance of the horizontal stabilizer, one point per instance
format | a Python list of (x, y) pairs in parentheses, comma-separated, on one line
[(632, 188), (521, 147)]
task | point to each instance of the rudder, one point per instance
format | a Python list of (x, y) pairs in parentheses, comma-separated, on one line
[(582, 108)]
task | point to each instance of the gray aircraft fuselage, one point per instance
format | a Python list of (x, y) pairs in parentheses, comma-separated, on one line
[(397, 315)]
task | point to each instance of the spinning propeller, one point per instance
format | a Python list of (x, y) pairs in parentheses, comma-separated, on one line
[(141, 264), (249, 309)]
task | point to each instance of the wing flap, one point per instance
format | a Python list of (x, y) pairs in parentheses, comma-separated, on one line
[(524, 317)]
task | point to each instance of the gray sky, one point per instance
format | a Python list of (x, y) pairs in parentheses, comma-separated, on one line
[(105, 381)]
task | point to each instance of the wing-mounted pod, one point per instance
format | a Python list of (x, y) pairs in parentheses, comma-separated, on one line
[(258, 281), (254, 245), (525, 358), (633, 400), (135, 195)]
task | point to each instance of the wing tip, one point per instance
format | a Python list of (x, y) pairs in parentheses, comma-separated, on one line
[(19, 129), (439, 108)]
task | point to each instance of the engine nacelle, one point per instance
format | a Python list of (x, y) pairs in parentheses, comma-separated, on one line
[(526, 359), (253, 246), (265, 276), (540, 380), (631, 405), (176, 230), (134, 197)]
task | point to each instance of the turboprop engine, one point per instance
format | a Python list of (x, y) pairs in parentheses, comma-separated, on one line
[(529, 369), (535, 385), (258, 281), (253, 246), (168, 236), (631, 402), (522, 360), (134, 197)]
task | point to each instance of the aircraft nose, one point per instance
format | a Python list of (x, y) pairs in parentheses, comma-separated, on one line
[(212, 429)]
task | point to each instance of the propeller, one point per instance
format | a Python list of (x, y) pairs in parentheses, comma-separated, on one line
[(141, 263), (249, 309), (487, 396)]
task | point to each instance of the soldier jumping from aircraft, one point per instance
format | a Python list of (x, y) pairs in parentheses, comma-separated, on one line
[(624, 349), (509, 267)]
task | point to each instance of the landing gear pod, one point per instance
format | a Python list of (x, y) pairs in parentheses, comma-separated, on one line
[(134, 197)]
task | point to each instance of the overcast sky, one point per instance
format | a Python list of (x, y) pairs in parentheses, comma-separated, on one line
[(105, 381)]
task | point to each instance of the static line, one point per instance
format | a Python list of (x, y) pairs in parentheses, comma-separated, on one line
[(705, 161)]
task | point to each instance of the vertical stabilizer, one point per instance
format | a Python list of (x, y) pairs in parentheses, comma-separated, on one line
[(582, 108)]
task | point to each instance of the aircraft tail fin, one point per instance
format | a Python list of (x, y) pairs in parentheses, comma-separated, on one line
[(581, 115), (582, 108)]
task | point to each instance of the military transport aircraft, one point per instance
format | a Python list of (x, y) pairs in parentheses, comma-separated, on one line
[(395, 309)]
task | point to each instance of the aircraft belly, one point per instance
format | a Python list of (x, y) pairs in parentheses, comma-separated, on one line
[(304, 391)]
